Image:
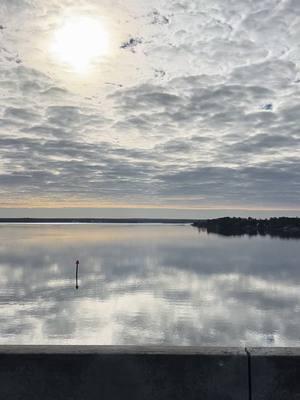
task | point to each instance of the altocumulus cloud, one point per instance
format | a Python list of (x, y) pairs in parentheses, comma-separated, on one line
[(218, 125)]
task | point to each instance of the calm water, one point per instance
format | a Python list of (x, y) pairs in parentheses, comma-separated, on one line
[(146, 284)]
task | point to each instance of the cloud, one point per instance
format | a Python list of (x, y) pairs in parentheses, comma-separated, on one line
[(207, 111), (131, 44), (157, 18)]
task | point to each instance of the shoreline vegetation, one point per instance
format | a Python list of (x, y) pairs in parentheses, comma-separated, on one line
[(281, 227)]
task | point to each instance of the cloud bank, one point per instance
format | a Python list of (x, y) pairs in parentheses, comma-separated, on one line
[(197, 105)]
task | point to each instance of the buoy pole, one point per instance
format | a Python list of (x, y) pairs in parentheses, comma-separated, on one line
[(77, 264)]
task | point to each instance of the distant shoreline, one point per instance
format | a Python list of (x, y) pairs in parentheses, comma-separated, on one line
[(281, 227), (96, 221)]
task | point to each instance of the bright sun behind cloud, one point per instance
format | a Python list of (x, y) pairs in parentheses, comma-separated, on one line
[(80, 42)]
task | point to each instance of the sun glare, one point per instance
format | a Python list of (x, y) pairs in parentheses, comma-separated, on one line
[(80, 42)]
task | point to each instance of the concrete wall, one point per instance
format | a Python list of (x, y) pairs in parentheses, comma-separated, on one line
[(148, 373), (275, 373)]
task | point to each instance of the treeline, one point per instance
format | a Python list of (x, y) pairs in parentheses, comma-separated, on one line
[(283, 227)]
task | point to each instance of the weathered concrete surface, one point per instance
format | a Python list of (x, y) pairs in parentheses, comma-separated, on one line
[(122, 373), (275, 373)]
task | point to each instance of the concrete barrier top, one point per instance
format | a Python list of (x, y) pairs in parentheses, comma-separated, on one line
[(167, 350), (274, 351), (90, 349)]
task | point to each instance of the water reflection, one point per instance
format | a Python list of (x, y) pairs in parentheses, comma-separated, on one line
[(146, 284)]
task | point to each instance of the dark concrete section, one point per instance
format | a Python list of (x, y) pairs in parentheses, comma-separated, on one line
[(275, 373), (121, 373)]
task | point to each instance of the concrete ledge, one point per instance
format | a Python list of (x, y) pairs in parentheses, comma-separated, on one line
[(148, 373), (275, 373), (88, 349), (121, 373)]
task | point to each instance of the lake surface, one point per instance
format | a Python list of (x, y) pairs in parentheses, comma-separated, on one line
[(146, 284)]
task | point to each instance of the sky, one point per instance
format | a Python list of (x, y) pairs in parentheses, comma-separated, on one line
[(165, 104)]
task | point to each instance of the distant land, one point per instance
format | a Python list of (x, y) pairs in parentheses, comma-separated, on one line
[(281, 227), (97, 220)]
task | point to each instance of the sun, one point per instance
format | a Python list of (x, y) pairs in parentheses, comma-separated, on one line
[(79, 42)]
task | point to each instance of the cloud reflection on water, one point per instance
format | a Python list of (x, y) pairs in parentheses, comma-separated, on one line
[(146, 284)]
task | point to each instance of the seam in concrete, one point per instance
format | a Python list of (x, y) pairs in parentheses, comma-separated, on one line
[(249, 373)]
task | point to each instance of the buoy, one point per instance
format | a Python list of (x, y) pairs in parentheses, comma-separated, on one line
[(77, 264)]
